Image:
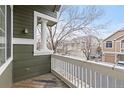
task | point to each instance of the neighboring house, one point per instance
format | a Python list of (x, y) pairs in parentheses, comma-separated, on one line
[(113, 47), (71, 48), (74, 47), (20, 54)]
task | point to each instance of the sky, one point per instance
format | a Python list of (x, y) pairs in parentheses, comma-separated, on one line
[(113, 15)]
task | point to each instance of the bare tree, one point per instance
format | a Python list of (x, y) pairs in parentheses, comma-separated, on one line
[(88, 46), (72, 20)]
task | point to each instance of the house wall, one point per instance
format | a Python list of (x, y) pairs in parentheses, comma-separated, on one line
[(115, 44), (109, 49), (110, 58), (115, 38), (118, 43), (118, 47), (25, 64), (6, 77), (115, 35), (121, 58)]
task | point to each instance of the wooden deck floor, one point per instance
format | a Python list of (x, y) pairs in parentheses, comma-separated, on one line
[(43, 81)]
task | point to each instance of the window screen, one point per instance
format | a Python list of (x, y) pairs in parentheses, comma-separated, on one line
[(2, 34), (8, 32)]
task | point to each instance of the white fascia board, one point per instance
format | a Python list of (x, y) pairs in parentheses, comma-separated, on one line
[(44, 16)]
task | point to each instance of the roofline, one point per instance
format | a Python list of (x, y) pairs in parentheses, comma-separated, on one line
[(56, 8), (112, 34), (119, 37)]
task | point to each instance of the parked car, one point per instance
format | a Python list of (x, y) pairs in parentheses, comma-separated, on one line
[(120, 63)]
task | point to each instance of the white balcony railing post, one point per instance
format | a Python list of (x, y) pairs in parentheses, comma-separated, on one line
[(78, 73)]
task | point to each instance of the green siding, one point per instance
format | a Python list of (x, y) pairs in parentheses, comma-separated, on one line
[(6, 77), (23, 18), (26, 65)]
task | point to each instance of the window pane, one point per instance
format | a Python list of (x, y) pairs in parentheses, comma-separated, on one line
[(122, 44), (38, 37), (2, 35), (8, 32), (109, 44)]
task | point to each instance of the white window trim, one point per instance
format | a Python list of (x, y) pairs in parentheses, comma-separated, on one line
[(121, 45), (45, 17), (9, 60), (23, 41), (106, 43)]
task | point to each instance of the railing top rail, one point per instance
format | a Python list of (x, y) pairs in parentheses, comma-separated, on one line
[(105, 68)]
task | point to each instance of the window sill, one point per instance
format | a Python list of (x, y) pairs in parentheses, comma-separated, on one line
[(109, 47), (5, 65), (43, 52)]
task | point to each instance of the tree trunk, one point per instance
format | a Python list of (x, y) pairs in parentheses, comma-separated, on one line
[(88, 57)]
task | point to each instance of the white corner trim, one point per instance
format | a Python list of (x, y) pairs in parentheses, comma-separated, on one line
[(44, 16), (5, 65), (23, 41), (43, 52)]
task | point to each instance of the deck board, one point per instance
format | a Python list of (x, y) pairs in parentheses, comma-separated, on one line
[(43, 81)]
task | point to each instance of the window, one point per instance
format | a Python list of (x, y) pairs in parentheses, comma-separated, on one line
[(2, 34), (109, 44), (122, 46), (39, 44), (8, 32), (40, 33), (5, 33), (38, 37)]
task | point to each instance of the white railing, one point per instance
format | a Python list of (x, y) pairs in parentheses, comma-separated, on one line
[(86, 74), (122, 49)]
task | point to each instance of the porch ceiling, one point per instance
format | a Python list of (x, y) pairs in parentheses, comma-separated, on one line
[(52, 8)]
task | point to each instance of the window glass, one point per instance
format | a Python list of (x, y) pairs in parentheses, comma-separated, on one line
[(109, 44), (122, 45), (2, 34), (8, 54), (38, 37)]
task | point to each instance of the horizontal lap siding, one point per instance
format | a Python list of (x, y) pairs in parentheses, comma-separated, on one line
[(23, 18), (109, 58), (6, 77), (121, 58), (25, 64)]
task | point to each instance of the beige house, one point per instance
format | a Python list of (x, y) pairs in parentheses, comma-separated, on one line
[(74, 47), (113, 47)]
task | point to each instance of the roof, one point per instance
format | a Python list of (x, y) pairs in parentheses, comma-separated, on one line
[(119, 37), (114, 33)]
